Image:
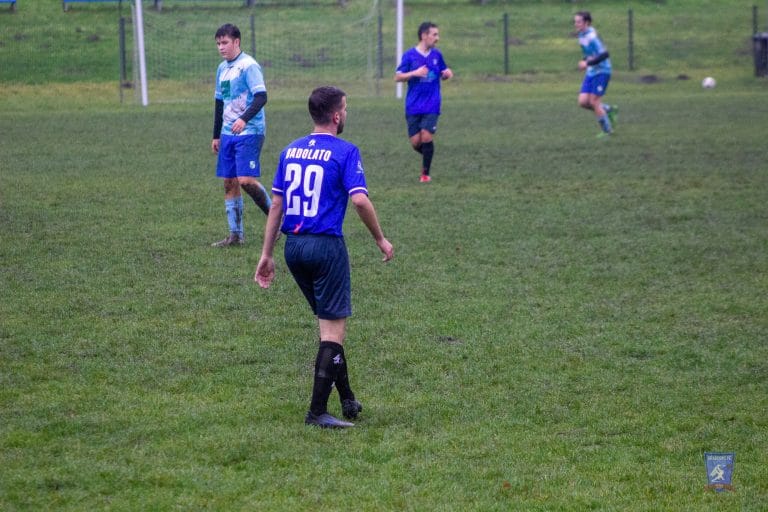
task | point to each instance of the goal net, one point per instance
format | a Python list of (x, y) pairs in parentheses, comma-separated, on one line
[(295, 51)]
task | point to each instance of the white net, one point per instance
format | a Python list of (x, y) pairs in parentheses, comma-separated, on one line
[(295, 54)]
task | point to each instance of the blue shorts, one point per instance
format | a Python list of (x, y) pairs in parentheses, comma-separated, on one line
[(596, 85), (320, 266), (419, 122), (239, 156)]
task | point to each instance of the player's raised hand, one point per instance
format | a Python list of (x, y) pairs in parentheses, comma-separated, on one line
[(238, 126), (421, 72)]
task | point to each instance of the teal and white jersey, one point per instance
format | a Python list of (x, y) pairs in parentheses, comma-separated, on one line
[(592, 46), (236, 83)]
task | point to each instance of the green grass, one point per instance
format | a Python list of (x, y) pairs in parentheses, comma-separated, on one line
[(567, 325)]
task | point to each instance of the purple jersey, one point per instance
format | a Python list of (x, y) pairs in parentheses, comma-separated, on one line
[(423, 93), (315, 176)]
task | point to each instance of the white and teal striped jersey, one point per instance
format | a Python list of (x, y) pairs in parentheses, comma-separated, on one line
[(236, 83), (592, 46)]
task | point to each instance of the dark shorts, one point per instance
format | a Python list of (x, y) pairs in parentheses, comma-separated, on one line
[(419, 122), (239, 156), (320, 266), (596, 85)]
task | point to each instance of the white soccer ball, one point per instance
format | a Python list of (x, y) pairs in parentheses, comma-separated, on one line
[(708, 83)]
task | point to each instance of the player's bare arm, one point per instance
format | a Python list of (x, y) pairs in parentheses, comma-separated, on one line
[(420, 72), (265, 270), (367, 214)]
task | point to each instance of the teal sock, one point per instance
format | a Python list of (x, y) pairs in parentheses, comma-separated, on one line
[(605, 123), (234, 209)]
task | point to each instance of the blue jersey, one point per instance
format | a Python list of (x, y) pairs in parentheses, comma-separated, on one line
[(236, 83), (423, 92), (315, 176), (592, 46)]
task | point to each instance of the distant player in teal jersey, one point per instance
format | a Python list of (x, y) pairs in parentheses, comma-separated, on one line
[(238, 130), (423, 67), (316, 177), (597, 66)]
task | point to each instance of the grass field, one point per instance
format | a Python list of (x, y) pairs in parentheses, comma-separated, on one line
[(568, 324)]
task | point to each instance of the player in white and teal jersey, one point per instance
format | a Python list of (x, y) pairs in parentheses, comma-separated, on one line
[(316, 177), (597, 66), (238, 130)]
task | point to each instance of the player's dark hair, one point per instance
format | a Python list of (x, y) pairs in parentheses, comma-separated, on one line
[(424, 27), (584, 15), (228, 30), (324, 102)]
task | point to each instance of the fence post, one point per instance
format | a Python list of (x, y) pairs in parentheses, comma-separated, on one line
[(253, 35), (754, 19), (123, 69), (506, 43), (380, 47), (631, 42)]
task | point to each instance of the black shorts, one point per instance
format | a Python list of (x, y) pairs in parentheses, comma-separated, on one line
[(418, 122), (320, 266)]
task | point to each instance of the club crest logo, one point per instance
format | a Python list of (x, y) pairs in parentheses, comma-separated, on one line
[(719, 470)]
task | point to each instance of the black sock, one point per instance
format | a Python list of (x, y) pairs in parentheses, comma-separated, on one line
[(418, 148), (326, 367), (259, 196), (342, 379), (427, 150)]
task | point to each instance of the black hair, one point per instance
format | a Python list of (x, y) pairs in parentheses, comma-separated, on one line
[(229, 30), (585, 16), (424, 27), (324, 102)]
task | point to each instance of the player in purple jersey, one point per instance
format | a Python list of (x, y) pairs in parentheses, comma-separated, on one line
[(423, 68), (238, 130), (315, 177), (597, 67)]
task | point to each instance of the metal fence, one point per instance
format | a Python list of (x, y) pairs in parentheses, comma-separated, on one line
[(353, 41)]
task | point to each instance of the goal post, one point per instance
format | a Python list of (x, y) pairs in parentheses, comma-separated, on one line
[(138, 13)]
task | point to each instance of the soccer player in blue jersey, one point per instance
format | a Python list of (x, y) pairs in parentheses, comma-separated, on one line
[(597, 66), (423, 67), (315, 177), (238, 130)]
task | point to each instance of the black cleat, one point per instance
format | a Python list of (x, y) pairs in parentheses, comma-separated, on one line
[(325, 420), (351, 408)]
